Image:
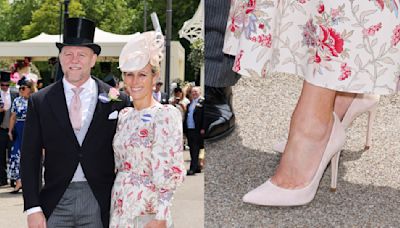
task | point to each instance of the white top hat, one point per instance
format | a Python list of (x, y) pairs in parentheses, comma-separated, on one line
[(142, 49)]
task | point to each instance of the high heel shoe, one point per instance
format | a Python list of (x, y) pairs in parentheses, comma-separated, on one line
[(268, 194), (361, 103), (16, 191)]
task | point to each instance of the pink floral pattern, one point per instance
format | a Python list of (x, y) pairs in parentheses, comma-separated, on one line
[(343, 45), (149, 161)]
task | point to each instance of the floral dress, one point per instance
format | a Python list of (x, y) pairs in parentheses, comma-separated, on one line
[(344, 45), (149, 161), (19, 107)]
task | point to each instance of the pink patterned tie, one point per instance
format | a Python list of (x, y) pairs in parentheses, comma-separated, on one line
[(75, 113)]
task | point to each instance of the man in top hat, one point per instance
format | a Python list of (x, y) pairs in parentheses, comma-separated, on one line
[(158, 95), (6, 98), (74, 121)]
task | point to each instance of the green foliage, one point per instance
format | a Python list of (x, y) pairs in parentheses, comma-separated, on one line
[(196, 56), (4, 9), (18, 15), (47, 18), (117, 18)]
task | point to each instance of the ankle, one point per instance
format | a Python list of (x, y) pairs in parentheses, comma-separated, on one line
[(312, 129)]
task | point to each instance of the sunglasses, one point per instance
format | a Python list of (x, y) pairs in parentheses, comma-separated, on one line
[(6, 85), (22, 88)]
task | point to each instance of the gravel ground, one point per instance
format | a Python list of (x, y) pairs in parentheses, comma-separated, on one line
[(368, 191)]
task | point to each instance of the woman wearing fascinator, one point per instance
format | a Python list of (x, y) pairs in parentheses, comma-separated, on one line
[(148, 142), (19, 108)]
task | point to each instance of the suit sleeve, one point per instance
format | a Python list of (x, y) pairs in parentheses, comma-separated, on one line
[(31, 153)]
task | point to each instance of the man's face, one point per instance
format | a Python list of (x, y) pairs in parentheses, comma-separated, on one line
[(195, 93), (4, 86), (158, 87), (76, 63)]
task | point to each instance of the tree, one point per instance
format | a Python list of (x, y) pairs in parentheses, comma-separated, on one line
[(19, 14), (47, 18), (117, 17), (4, 23)]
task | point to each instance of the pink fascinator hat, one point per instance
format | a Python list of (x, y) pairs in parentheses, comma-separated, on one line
[(142, 49)]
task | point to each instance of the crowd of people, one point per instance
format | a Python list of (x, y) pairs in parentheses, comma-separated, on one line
[(16, 87)]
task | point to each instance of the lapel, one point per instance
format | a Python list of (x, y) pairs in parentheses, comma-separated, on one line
[(58, 104), (100, 113)]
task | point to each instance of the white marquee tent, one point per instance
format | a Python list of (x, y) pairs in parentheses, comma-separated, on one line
[(43, 46)]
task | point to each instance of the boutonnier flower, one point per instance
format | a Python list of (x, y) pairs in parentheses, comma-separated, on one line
[(113, 95)]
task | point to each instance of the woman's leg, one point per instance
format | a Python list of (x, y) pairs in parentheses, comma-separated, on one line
[(310, 129), (342, 102)]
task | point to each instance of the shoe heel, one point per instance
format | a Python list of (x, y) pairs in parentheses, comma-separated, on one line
[(334, 171), (371, 119)]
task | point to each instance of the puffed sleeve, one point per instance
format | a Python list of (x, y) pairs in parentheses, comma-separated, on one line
[(14, 105), (167, 157)]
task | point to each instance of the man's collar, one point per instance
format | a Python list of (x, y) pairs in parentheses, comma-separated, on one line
[(87, 85)]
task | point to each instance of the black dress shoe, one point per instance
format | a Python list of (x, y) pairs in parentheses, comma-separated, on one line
[(190, 173), (219, 118)]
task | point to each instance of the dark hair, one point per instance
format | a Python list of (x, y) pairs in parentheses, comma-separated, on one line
[(25, 82), (178, 89)]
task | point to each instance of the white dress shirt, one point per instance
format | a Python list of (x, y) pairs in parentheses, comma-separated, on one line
[(6, 97)]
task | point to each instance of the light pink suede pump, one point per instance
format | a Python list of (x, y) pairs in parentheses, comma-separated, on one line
[(269, 194)]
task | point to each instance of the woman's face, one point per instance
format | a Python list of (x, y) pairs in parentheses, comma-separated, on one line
[(25, 91), (139, 84)]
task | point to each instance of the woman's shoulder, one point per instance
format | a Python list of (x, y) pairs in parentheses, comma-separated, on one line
[(164, 110), (124, 112)]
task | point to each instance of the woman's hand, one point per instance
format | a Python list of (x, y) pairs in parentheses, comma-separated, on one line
[(156, 224), (10, 135)]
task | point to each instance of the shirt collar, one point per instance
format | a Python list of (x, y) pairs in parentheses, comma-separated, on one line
[(87, 86)]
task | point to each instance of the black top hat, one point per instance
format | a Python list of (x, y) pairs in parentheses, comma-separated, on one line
[(79, 32), (5, 76)]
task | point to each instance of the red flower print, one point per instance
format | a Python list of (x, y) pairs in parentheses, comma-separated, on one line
[(265, 40), (236, 65), (302, 1), (251, 5), (335, 13), (143, 133), (144, 174), (261, 26), (152, 187), (127, 166), (371, 30), (176, 170), (330, 39), (119, 203), (232, 26), (346, 72), (396, 35), (321, 8), (317, 58), (139, 196)]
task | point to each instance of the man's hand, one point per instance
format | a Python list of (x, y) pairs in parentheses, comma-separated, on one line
[(37, 220), (156, 224)]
